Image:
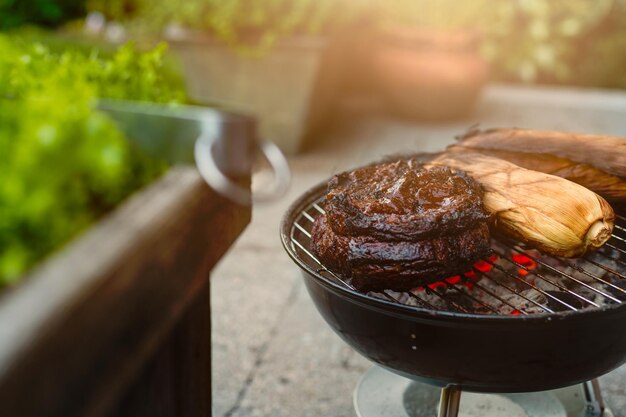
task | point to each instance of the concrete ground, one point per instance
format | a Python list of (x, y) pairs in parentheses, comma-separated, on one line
[(273, 355)]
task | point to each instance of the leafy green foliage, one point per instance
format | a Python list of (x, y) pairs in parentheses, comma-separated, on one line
[(64, 164), (245, 21), (247, 25), (574, 42), (550, 42), (14, 13)]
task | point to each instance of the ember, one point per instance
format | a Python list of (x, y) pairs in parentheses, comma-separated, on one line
[(525, 262), (469, 276), (516, 282), (486, 266)]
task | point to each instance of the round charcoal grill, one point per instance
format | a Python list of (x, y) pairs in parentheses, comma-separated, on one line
[(519, 322)]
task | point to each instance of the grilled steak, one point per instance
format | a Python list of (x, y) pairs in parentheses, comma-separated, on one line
[(398, 225), (401, 200), (375, 265)]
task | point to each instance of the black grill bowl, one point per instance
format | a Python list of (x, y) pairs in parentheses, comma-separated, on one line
[(481, 353)]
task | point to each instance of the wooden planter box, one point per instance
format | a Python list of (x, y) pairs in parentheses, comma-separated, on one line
[(118, 323), (291, 89)]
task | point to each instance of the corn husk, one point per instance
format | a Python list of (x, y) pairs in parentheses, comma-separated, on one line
[(550, 213), (611, 187), (607, 153)]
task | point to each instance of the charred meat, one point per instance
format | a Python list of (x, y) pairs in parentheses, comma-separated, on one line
[(399, 225)]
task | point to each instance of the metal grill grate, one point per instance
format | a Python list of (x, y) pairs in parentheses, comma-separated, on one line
[(515, 281)]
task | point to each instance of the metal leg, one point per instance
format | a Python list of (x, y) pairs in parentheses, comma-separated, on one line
[(449, 403), (593, 397)]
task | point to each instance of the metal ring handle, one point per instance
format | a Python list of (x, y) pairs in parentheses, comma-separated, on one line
[(210, 172)]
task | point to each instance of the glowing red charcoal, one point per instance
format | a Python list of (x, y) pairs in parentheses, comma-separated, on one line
[(482, 266), (525, 261), (436, 285), (453, 280)]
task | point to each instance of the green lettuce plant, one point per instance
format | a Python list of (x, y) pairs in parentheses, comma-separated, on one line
[(63, 163)]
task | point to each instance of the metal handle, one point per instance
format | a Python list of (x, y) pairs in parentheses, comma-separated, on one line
[(206, 164)]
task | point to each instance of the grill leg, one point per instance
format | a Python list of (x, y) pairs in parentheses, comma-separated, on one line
[(593, 397), (449, 403)]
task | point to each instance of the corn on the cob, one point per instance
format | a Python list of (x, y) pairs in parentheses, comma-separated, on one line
[(550, 213), (604, 152), (611, 187)]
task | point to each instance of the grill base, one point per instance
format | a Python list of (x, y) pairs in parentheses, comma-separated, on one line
[(383, 393)]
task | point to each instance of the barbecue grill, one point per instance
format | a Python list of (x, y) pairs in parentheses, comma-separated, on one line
[(519, 321)]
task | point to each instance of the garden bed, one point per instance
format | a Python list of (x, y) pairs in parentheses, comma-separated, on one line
[(80, 329), (105, 249)]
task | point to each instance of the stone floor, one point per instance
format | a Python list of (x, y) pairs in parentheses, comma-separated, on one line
[(272, 353)]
